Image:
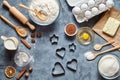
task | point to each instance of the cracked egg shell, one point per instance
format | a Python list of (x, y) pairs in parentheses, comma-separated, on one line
[(94, 10), (88, 14), (76, 10)]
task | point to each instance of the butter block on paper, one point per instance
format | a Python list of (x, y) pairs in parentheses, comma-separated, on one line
[(111, 26)]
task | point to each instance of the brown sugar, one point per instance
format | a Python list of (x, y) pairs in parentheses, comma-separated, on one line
[(70, 29)]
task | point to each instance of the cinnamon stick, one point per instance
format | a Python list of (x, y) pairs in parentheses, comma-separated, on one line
[(21, 73), (25, 43)]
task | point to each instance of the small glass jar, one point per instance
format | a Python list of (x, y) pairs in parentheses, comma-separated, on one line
[(85, 35), (22, 59), (116, 72)]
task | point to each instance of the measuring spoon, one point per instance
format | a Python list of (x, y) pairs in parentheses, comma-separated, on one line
[(19, 29), (42, 15), (99, 46), (92, 56)]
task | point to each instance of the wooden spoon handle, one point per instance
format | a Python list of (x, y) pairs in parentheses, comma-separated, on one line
[(7, 21), (108, 50), (109, 42), (23, 6)]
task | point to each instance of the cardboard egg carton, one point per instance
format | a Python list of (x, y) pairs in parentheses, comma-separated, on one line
[(83, 10)]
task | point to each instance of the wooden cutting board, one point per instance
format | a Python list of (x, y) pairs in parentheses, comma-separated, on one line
[(113, 12)]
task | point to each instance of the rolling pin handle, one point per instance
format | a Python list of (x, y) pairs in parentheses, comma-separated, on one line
[(30, 26), (6, 4)]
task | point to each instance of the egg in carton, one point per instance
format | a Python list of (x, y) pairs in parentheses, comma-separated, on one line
[(86, 9)]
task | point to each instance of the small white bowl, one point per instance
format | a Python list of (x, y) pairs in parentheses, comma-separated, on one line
[(68, 33)]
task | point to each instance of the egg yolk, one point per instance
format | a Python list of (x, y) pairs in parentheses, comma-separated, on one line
[(85, 36)]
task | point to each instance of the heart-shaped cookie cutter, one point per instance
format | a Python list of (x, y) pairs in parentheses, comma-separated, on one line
[(61, 52), (56, 73), (72, 65)]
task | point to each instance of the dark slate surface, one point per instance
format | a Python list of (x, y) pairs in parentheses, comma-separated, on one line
[(44, 53)]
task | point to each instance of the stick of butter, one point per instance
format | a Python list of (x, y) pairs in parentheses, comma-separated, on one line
[(111, 26)]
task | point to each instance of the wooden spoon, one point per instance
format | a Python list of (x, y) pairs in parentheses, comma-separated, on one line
[(19, 29), (42, 15), (93, 56), (99, 46)]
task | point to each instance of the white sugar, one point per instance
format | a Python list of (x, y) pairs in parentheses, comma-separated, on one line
[(108, 65), (89, 55)]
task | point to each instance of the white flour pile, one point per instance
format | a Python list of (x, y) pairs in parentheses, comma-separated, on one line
[(51, 7)]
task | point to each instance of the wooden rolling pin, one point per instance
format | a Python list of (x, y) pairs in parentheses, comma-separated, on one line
[(18, 15)]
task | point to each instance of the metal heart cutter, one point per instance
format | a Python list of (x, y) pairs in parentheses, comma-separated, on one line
[(58, 69), (72, 65), (61, 52)]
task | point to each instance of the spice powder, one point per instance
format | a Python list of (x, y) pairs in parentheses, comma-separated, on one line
[(70, 29)]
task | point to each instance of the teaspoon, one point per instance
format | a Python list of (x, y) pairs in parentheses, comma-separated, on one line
[(99, 46)]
